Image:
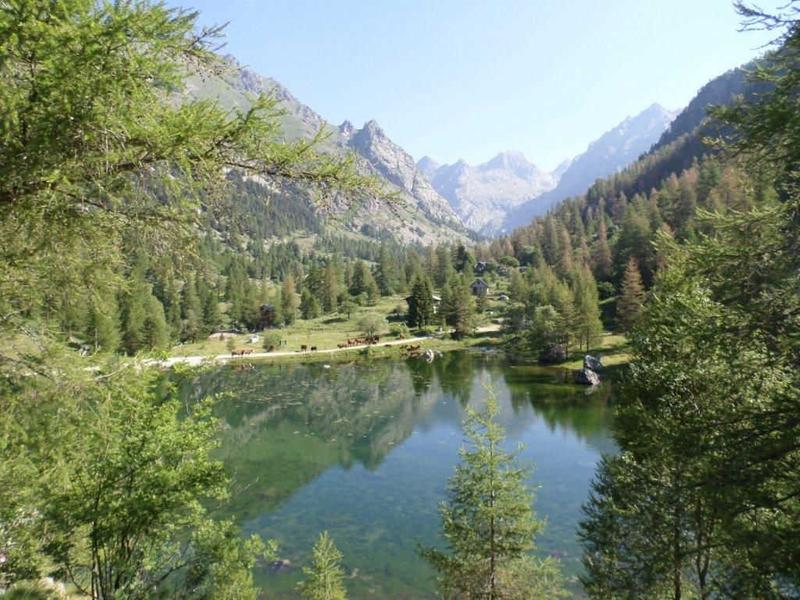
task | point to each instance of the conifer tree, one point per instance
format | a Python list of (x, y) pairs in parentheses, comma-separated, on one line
[(288, 300), (155, 333), (420, 305), (630, 302), (172, 307), (324, 578), (458, 306), (330, 287), (601, 257), (587, 309), (364, 283), (566, 259), (309, 305), (444, 266), (192, 310), (489, 524), (385, 273), (103, 324), (212, 319)]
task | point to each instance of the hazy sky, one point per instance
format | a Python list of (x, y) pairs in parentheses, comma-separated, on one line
[(470, 78)]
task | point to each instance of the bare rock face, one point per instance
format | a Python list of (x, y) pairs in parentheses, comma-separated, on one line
[(398, 167)]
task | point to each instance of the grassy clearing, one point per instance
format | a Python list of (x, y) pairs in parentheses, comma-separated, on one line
[(612, 348), (325, 333)]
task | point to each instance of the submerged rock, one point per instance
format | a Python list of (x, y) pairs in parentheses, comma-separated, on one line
[(280, 566), (587, 377)]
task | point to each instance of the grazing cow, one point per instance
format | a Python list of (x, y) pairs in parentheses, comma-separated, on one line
[(303, 348), (313, 348)]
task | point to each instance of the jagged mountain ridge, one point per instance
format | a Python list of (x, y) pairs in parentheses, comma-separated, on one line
[(612, 152), (417, 213), (482, 195)]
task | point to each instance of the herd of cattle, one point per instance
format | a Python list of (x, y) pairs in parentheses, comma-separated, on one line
[(410, 350), (362, 341)]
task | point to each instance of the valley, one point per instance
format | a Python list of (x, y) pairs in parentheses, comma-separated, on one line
[(246, 352)]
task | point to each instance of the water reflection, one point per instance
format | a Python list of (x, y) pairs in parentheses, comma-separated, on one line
[(365, 450)]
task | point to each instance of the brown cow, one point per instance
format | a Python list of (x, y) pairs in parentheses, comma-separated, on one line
[(303, 348), (313, 348)]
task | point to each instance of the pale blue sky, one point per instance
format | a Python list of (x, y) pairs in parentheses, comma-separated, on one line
[(470, 78)]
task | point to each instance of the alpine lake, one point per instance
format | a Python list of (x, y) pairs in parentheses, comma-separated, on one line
[(364, 450)]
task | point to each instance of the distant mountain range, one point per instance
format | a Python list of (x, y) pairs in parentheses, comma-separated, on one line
[(509, 191), (433, 202), (483, 195)]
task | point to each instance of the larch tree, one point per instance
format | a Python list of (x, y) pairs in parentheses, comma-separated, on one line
[(324, 577), (601, 256), (631, 300), (489, 524)]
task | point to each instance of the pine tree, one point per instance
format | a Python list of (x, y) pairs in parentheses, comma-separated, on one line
[(331, 287), (458, 306), (364, 283), (134, 312), (385, 275), (601, 257), (309, 305), (420, 305), (103, 324), (192, 311), (212, 319), (587, 309), (444, 266), (288, 300), (489, 524), (566, 259), (155, 333), (630, 302), (324, 578), (172, 307)]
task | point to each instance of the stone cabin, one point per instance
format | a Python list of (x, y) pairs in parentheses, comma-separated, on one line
[(479, 287)]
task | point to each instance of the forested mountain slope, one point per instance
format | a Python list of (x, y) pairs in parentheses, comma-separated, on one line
[(409, 210)]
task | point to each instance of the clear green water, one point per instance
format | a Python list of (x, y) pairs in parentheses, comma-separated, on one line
[(365, 451)]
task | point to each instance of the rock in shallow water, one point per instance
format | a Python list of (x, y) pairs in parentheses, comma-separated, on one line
[(587, 377)]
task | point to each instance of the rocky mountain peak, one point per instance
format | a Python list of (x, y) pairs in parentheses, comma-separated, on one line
[(428, 166), (346, 130), (482, 195)]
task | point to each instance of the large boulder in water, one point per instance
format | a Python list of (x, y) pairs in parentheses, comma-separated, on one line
[(587, 377), (553, 354), (592, 362)]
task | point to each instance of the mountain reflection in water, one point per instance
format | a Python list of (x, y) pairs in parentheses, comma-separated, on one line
[(364, 450)]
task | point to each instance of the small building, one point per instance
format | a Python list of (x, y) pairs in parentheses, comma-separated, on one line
[(503, 298), (479, 287), (481, 266)]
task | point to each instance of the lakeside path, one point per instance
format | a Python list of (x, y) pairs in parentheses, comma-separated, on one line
[(195, 361)]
